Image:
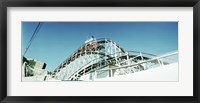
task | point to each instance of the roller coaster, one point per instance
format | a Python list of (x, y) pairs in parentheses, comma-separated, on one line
[(95, 59), (104, 58)]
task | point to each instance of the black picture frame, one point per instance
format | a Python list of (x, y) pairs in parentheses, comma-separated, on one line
[(99, 3)]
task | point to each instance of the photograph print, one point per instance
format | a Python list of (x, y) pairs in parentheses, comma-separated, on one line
[(99, 51)]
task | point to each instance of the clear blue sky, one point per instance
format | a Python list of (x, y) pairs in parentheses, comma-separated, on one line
[(56, 41)]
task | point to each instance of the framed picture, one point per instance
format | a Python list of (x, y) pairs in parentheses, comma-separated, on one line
[(92, 51)]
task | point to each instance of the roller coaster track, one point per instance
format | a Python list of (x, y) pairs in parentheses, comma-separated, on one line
[(104, 55)]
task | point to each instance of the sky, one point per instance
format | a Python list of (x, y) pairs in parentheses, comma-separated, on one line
[(54, 42)]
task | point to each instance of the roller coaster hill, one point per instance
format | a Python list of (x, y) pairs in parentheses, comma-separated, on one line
[(103, 58)]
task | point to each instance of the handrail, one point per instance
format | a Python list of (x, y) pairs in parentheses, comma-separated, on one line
[(146, 61)]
